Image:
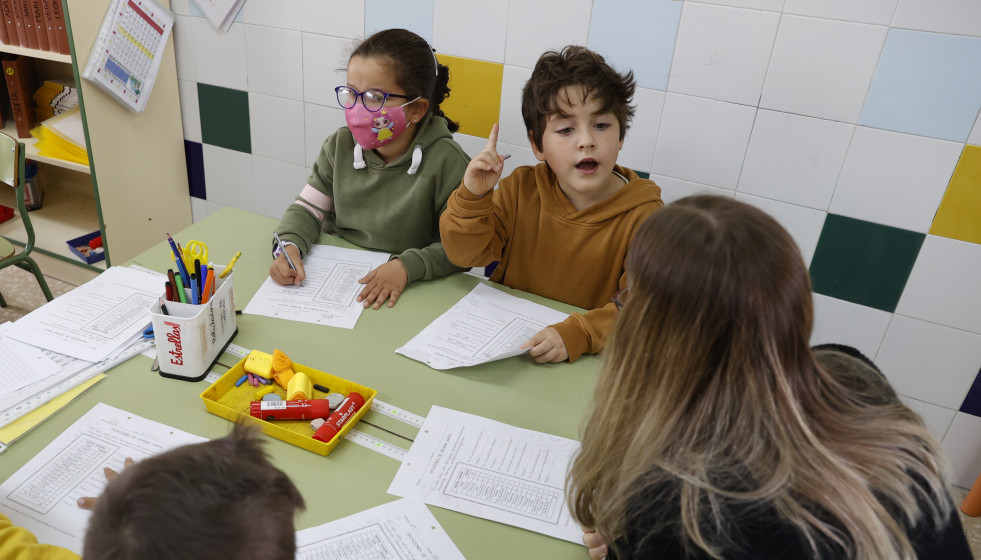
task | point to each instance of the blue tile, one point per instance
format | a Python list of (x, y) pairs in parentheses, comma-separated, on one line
[(637, 35), (926, 84), (194, 154), (416, 16), (972, 403)]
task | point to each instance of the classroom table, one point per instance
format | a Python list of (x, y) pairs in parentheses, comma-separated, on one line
[(550, 398)]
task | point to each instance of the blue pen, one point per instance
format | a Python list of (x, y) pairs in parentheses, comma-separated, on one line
[(194, 289), (185, 277)]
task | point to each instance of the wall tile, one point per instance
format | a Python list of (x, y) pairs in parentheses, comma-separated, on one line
[(673, 189), (228, 174), (863, 262), (276, 185), (190, 113), (841, 322), (224, 117), (385, 14), (638, 145), (219, 58), (867, 11), (936, 418), (768, 5), (959, 216), (722, 53), (894, 179), (702, 140), (194, 158), (930, 362), (454, 32), (512, 129), (821, 68), (972, 402), (795, 159), (475, 93), (284, 14), (926, 84), (803, 224), (275, 61), (199, 209), (652, 22), (960, 17), (319, 123), (943, 287), (963, 451), (317, 16), (975, 137), (535, 27), (184, 48), (324, 67), (275, 126), (180, 7)]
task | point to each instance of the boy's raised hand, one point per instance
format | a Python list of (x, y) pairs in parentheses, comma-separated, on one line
[(485, 168)]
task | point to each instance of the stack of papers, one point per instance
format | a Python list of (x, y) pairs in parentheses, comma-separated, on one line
[(62, 137)]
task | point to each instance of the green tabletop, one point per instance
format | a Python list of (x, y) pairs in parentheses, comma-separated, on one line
[(548, 398)]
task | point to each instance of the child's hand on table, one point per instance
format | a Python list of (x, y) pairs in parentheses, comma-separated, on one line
[(385, 282), (484, 170), (547, 346), (88, 502), (281, 272)]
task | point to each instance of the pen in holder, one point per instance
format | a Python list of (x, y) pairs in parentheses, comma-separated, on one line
[(190, 338)]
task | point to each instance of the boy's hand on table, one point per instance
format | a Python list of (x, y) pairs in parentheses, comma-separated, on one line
[(385, 282), (484, 170), (596, 545), (88, 502), (281, 272), (547, 346)]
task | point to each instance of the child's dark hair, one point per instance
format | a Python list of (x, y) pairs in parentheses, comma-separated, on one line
[(214, 500), (412, 62), (574, 66)]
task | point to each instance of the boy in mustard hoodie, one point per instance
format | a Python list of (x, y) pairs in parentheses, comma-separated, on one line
[(560, 229)]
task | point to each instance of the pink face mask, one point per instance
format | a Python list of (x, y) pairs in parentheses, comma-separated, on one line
[(375, 129)]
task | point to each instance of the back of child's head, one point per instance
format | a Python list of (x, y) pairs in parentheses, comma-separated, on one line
[(413, 64), (218, 499), (580, 67)]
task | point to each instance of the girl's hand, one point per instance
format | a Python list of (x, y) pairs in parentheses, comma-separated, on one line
[(547, 346), (485, 168), (281, 272), (596, 545), (385, 282)]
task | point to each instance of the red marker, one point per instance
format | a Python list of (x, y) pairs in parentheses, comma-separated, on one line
[(333, 425), (290, 410)]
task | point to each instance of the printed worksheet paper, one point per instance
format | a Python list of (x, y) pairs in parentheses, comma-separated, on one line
[(484, 326), (487, 469), (328, 295), (42, 495)]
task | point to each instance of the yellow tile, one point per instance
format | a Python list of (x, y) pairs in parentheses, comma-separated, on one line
[(475, 94), (959, 216)]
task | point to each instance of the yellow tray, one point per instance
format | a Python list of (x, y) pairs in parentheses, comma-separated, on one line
[(228, 401)]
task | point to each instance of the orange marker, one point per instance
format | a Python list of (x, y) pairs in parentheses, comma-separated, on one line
[(209, 285)]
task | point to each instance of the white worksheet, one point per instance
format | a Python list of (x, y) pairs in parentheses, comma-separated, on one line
[(21, 364), (95, 319), (327, 295), (399, 530), (484, 326), (481, 467), (42, 495)]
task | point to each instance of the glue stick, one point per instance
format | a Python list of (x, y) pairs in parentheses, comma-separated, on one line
[(290, 410), (333, 425)]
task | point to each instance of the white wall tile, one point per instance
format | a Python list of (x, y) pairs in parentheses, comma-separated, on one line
[(943, 286), (841, 322), (702, 140), (963, 448), (190, 110), (219, 58), (324, 67), (894, 179), (199, 209), (803, 224), (867, 11), (535, 27), (184, 48), (276, 126), (326, 18), (936, 418), (213, 207), (959, 17), (180, 7), (795, 159), (673, 189), (276, 185), (768, 5), (455, 33), (975, 138), (319, 123), (284, 14), (822, 68), (275, 61), (512, 126), (722, 53), (930, 362), (228, 177), (638, 145)]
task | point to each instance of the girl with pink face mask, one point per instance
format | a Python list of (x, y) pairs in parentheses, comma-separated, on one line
[(382, 181)]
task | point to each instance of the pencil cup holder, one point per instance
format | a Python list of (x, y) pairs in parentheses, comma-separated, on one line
[(190, 338)]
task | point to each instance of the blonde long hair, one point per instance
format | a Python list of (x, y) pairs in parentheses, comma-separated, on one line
[(709, 378)]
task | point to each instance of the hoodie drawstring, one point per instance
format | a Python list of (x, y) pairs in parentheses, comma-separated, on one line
[(416, 159)]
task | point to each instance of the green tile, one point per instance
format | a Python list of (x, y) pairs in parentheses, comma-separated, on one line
[(864, 263), (225, 117), (643, 174)]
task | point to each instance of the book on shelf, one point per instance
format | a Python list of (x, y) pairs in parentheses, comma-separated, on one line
[(49, 25), (53, 98), (61, 30), (27, 17), (4, 36), (21, 79), (18, 12), (40, 27), (7, 13)]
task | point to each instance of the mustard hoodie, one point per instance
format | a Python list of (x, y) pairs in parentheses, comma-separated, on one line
[(17, 543)]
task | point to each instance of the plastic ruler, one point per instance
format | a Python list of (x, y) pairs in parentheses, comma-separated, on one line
[(375, 444)]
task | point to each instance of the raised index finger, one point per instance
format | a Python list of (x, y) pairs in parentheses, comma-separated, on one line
[(492, 139)]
